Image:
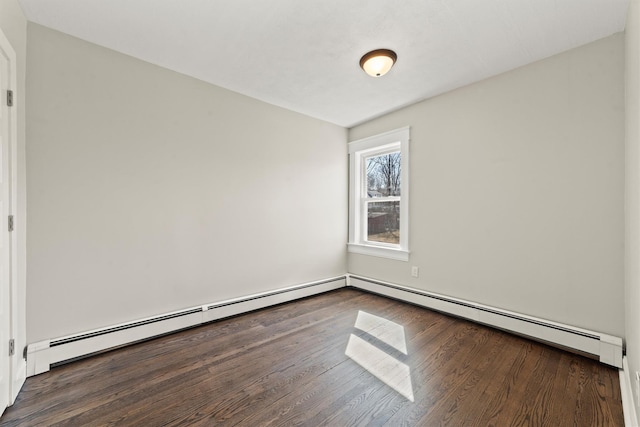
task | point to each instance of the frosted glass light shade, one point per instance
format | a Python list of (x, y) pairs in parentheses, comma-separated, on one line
[(378, 62)]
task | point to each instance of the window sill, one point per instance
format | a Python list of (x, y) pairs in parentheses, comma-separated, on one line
[(397, 254)]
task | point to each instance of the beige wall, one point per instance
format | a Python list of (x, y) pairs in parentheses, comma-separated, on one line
[(517, 190), (632, 195), (150, 191)]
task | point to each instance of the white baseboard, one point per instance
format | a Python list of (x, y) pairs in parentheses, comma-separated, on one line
[(44, 354), (628, 406), (41, 356), (606, 347)]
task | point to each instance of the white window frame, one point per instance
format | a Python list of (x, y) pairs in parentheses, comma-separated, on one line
[(395, 140)]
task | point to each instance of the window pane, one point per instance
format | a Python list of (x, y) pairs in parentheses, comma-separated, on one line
[(383, 175), (383, 222)]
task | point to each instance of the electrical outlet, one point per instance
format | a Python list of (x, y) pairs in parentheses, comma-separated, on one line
[(414, 271)]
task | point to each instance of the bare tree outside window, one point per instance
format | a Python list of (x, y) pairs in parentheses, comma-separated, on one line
[(378, 205), (383, 174), (383, 182)]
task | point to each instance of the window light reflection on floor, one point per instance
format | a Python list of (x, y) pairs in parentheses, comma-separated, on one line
[(385, 330), (382, 365)]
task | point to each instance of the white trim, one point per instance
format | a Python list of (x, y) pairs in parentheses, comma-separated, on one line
[(397, 139), (379, 251), (17, 369), (43, 354), (37, 358), (626, 391), (606, 347), (391, 136)]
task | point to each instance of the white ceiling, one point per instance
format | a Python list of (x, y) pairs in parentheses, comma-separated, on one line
[(303, 54)]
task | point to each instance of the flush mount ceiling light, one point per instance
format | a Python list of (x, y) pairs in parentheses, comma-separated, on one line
[(378, 62)]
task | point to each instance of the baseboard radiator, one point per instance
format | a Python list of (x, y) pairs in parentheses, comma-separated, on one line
[(608, 349), (44, 355)]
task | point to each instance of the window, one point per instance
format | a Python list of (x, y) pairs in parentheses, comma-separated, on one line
[(378, 199)]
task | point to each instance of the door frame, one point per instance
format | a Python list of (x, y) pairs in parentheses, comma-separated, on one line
[(17, 363)]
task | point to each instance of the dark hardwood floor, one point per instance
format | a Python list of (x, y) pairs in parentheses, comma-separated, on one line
[(303, 363)]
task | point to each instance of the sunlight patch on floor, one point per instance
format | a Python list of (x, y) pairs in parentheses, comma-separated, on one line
[(379, 363), (385, 330)]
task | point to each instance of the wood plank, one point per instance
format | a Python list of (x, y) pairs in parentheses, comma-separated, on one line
[(287, 365)]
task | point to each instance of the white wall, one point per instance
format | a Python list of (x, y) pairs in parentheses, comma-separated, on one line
[(14, 26), (632, 194), (150, 191), (517, 190)]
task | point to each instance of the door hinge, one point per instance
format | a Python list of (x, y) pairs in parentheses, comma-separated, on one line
[(10, 222), (12, 347), (9, 98)]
